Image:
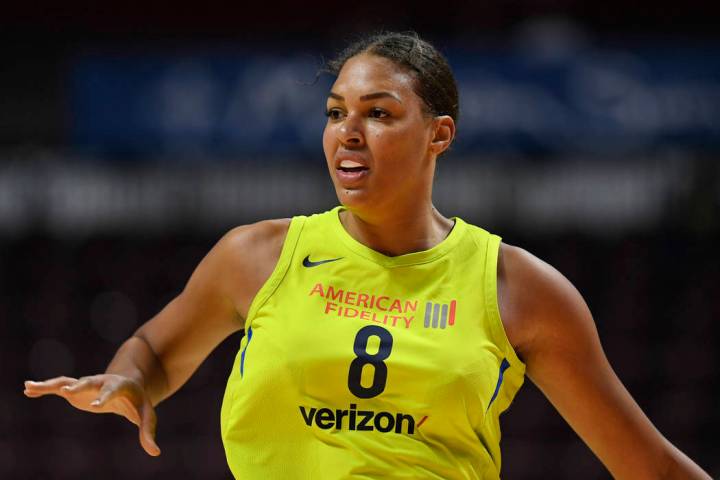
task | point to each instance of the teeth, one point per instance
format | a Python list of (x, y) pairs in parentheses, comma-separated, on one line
[(350, 164)]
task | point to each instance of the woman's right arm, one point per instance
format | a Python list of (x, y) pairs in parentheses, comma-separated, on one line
[(165, 351)]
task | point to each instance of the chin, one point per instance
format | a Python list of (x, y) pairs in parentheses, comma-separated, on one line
[(355, 199)]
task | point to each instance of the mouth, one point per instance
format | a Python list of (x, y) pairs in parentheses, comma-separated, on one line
[(351, 170), (351, 176)]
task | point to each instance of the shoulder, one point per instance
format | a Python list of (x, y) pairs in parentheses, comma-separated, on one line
[(247, 248), (265, 236), (248, 255), (538, 304)]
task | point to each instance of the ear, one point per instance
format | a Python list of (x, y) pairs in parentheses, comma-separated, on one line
[(443, 133)]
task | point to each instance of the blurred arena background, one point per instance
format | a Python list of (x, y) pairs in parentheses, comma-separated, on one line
[(132, 137)]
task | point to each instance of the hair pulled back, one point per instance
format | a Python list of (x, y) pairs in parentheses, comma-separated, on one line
[(435, 83)]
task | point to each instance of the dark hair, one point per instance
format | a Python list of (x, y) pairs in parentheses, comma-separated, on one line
[(435, 83)]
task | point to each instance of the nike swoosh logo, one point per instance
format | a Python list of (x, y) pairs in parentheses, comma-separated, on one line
[(308, 263)]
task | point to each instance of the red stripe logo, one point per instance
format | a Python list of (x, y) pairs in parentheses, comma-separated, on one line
[(440, 315)]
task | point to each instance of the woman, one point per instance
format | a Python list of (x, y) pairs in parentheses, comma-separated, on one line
[(382, 338)]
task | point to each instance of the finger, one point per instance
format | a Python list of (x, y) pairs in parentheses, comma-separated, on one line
[(34, 394), (148, 425), (52, 386), (81, 385), (107, 393)]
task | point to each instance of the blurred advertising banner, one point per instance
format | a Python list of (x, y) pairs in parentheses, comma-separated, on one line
[(513, 100), (72, 198)]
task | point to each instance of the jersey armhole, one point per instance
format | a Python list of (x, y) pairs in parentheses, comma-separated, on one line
[(492, 305), (281, 268)]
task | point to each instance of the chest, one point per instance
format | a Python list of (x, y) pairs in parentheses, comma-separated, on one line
[(401, 343)]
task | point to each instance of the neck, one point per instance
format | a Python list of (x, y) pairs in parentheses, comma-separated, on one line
[(399, 231)]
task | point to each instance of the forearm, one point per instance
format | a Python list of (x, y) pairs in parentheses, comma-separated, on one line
[(136, 360)]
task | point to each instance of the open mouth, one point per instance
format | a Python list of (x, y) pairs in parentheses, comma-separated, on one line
[(352, 169), (351, 176)]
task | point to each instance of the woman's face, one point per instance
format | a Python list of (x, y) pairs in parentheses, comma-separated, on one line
[(377, 137)]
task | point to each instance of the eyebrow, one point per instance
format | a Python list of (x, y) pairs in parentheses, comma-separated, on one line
[(369, 96)]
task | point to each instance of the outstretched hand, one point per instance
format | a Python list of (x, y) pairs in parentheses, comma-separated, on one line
[(105, 393)]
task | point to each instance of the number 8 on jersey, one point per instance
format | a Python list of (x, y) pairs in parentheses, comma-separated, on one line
[(362, 358)]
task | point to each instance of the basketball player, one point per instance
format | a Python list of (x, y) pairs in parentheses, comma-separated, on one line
[(383, 339)]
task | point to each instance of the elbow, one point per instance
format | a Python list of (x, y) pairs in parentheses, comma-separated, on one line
[(675, 465)]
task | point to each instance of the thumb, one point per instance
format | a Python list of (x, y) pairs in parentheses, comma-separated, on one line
[(148, 424)]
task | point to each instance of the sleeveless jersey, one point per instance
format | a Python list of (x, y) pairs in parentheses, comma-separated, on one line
[(360, 365)]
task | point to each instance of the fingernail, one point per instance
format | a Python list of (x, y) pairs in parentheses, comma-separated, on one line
[(95, 403), (66, 388), (30, 382)]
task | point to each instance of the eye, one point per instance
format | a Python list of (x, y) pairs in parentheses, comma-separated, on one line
[(378, 113), (334, 113)]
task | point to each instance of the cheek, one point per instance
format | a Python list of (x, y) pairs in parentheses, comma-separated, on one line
[(328, 143), (397, 148)]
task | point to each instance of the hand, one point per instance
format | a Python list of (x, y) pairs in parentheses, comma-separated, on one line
[(105, 393)]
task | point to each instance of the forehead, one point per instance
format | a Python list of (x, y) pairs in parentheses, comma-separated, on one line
[(367, 73)]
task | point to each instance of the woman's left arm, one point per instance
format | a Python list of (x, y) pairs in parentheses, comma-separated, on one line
[(551, 328)]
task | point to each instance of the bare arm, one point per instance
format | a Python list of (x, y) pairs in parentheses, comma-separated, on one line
[(551, 327), (164, 352), (212, 306)]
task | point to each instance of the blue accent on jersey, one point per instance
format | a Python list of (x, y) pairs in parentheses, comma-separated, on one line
[(503, 366), (242, 355)]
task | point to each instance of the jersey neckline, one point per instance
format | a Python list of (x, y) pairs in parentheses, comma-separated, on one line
[(413, 258)]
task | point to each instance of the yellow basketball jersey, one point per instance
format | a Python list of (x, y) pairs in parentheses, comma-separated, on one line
[(359, 365)]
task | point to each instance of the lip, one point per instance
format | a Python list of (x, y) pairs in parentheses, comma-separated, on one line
[(350, 179), (355, 157)]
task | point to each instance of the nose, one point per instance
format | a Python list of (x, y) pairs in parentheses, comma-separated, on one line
[(350, 132)]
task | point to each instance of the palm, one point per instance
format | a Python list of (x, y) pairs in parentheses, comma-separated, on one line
[(122, 404), (105, 393)]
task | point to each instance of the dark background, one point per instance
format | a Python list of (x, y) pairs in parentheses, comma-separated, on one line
[(83, 262)]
